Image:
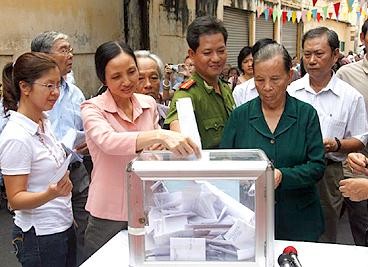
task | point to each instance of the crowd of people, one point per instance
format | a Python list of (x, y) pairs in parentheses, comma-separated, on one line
[(68, 190)]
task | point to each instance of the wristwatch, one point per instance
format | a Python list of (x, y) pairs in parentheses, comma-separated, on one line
[(338, 144)]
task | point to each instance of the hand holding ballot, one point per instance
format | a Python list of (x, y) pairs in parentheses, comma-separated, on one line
[(62, 188), (74, 143)]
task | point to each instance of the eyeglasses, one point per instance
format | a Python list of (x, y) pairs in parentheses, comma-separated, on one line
[(65, 51), (50, 86)]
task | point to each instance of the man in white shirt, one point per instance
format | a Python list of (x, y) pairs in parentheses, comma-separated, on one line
[(356, 74), (341, 112)]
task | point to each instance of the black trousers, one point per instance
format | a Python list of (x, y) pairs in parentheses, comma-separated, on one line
[(80, 179)]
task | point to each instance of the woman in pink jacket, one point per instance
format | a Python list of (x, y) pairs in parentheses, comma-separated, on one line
[(118, 125)]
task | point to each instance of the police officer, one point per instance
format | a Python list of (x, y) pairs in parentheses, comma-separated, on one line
[(211, 97)]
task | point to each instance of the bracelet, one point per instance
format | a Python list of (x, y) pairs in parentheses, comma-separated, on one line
[(338, 144)]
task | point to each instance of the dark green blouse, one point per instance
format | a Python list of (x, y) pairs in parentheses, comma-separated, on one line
[(296, 149)]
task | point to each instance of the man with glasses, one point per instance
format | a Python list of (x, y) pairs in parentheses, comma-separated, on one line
[(342, 117), (66, 119)]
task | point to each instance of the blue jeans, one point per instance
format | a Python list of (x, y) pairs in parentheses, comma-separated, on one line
[(55, 250)]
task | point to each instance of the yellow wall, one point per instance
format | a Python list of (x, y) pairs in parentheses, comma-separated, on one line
[(88, 23), (343, 30)]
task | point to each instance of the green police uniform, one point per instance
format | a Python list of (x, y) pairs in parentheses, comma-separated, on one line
[(211, 109), (297, 150)]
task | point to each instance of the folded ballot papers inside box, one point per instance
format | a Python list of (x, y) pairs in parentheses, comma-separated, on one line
[(213, 211)]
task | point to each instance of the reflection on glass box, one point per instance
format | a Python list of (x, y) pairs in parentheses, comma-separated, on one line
[(198, 221), (201, 211)]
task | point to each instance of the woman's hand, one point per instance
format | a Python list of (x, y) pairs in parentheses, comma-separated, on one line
[(354, 188), (277, 177), (61, 188), (357, 163), (156, 147), (178, 144)]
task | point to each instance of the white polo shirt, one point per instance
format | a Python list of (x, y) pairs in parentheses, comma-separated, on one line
[(245, 92), (340, 107), (22, 152)]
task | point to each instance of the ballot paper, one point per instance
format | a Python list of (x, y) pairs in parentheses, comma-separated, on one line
[(241, 234), (71, 140), (198, 222), (187, 120), (60, 172), (188, 249)]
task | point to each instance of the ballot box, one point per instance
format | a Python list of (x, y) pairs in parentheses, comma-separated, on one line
[(214, 211)]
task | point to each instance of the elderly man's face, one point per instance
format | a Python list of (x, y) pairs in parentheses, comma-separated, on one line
[(149, 78), (61, 51), (318, 57)]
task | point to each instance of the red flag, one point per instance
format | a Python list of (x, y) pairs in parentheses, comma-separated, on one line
[(314, 2), (337, 8), (330, 14), (318, 16), (284, 13), (271, 11)]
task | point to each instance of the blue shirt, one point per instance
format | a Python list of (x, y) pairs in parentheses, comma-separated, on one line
[(66, 112)]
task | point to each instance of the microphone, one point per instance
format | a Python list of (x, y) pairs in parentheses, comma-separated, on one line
[(290, 250), (285, 260)]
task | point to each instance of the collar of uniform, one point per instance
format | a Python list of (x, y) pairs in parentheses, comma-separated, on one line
[(365, 63), (199, 79), (329, 87), (29, 125), (108, 103)]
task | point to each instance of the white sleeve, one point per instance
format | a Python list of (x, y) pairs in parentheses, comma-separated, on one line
[(15, 158), (238, 95), (357, 126)]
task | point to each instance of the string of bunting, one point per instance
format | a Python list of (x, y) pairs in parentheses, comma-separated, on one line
[(343, 10)]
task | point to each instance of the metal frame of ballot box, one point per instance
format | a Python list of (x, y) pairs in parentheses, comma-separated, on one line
[(227, 164)]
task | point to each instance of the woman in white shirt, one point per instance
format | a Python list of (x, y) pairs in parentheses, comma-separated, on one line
[(33, 164)]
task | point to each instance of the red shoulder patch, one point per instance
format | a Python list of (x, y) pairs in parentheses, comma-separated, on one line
[(187, 84)]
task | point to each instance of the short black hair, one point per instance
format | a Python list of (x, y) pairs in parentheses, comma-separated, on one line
[(261, 43), (332, 37), (108, 51), (204, 25), (244, 52)]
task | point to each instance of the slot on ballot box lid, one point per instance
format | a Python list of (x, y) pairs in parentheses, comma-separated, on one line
[(214, 211), (213, 163)]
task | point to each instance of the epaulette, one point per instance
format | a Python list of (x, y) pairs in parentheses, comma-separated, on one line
[(187, 84)]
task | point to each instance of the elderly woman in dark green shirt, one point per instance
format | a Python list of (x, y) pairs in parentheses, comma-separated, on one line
[(288, 131)]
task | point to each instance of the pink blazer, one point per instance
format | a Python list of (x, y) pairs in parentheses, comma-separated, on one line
[(111, 138)]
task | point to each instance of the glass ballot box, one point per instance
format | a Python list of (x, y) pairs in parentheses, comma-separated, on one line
[(214, 211)]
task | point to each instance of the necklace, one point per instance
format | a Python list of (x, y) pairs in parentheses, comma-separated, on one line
[(51, 153)]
